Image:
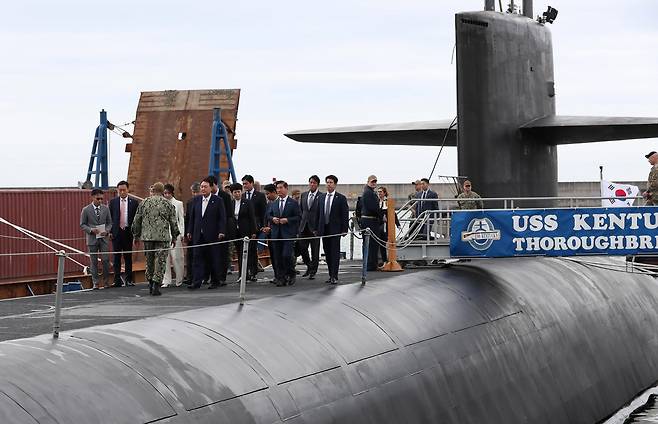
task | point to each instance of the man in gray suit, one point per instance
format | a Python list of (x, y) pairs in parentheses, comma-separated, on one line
[(96, 222)]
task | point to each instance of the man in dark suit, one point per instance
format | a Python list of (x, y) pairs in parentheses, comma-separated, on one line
[(244, 224), (266, 231), (224, 260), (333, 219), (370, 214), (259, 202), (426, 205), (122, 209), (308, 226), (189, 277), (284, 217), (207, 224)]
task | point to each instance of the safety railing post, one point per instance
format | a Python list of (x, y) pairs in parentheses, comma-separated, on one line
[(351, 245), (61, 256), (391, 248), (243, 270), (366, 248)]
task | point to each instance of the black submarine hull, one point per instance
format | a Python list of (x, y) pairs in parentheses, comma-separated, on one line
[(497, 341)]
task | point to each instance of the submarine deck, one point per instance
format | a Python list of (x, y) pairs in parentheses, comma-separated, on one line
[(32, 316)]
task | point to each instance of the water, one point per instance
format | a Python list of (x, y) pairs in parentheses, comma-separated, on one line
[(643, 409)]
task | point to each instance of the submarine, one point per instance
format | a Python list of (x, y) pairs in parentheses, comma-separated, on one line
[(505, 340)]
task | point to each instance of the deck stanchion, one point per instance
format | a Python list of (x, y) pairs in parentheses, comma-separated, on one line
[(391, 250), (364, 260), (61, 256), (243, 270)]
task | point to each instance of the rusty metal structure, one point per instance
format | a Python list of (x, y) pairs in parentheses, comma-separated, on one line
[(172, 138)]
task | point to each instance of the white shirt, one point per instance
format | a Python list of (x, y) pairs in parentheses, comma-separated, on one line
[(282, 206), (328, 201), (236, 211), (250, 194), (311, 197), (204, 205)]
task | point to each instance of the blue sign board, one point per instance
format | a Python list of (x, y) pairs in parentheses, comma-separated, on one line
[(554, 232)]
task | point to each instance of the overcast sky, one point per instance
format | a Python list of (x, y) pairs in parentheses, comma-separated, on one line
[(300, 64)]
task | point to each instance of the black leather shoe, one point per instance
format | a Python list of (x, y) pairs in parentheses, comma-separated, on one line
[(213, 286), (194, 287), (117, 283), (328, 281), (280, 283), (334, 281), (311, 276), (306, 274), (291, 282)]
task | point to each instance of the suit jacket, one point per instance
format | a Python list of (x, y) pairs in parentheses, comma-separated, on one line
[(115, 211), (245, 225), (259, 201), (188, 214), (426, 206), (338, 215), (290, 211), (309, 215), (211, 224), (180, 214), (89, 221)]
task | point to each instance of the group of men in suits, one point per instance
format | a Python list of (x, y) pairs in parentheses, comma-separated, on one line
[(100, 222)]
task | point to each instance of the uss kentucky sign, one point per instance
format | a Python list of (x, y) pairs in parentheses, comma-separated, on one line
[(554, 232)]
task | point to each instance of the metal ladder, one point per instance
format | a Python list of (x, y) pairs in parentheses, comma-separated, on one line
[(99, 155), (220, 144)]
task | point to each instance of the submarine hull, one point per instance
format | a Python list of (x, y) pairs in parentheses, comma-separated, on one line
[(498, 341)]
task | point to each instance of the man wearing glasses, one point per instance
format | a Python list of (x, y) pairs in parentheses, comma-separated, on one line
[(96, 222), (474, 201)]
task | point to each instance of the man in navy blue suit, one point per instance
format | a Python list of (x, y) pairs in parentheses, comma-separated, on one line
[(207, 224), (283, 217), (333, 220), (426, 205), (122, 210)]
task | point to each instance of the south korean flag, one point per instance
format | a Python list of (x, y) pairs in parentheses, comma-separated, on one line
[(623, 194)]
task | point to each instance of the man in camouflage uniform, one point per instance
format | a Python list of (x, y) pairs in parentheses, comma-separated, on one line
[(651, 194), (155, 224), (467, 193)]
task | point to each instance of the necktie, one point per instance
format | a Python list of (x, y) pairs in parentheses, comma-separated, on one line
[(204, 205), (327, 208), (310, 199), (248, 195), (98, 212), (122, 219)]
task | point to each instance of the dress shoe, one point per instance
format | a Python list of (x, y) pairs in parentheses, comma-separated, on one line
[(328, 281), (311, 276), (213, 286), (117, 283), (291, 281), (165, 285), (253, 279), (194, 286), (280, 283), (222, 283), (334, 281), (95, 288), (307, 273)]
